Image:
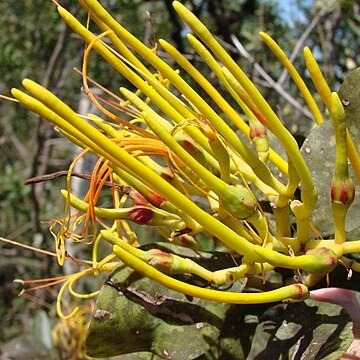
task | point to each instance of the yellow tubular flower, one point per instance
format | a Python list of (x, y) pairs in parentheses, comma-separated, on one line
[(182, 167)]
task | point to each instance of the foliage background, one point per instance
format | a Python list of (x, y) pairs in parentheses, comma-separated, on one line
[(36, 44)]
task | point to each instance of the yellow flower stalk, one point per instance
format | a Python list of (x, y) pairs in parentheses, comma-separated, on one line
[(342, 186), (325, 93), (179, 167), (279, 53), (294, 292)]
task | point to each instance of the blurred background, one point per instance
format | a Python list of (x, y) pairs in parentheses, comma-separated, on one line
[(36, 44)]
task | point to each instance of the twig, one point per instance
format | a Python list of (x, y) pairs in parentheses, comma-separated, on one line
[(47, 177), (54, 55), (28, 247)]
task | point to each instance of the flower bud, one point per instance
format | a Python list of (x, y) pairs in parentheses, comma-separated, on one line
[(342, 190), (342, 196), (258, 136), (257, 130), (238, 201), (326, 260), (138, 198), (161, 260), (141, 214)]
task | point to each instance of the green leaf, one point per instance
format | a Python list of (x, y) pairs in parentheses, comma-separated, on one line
[(349, 94), (134, 314), (307, 330), (141, 319), (318, 151)]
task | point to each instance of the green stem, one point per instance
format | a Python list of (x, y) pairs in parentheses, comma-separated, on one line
[(282, 220)]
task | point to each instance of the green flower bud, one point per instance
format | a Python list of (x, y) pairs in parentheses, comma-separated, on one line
[(161, 260), (325, 260), (238, 201)]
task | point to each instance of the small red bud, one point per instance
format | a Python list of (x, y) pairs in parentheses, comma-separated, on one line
[(342, 190), (159, 252), (186, 240), (141, 214), (347, 195), (257, 131), (151, 197)]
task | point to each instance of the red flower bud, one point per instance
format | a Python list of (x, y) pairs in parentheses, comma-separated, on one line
[(257, 130), (141, 214), (342, 190)]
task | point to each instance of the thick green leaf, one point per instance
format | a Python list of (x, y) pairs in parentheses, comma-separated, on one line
[(349, 94), (143, 320), (308, 330), (134, 314), (318, 151)]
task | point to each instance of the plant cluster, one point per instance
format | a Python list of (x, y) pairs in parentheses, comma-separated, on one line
[(197, 172)]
